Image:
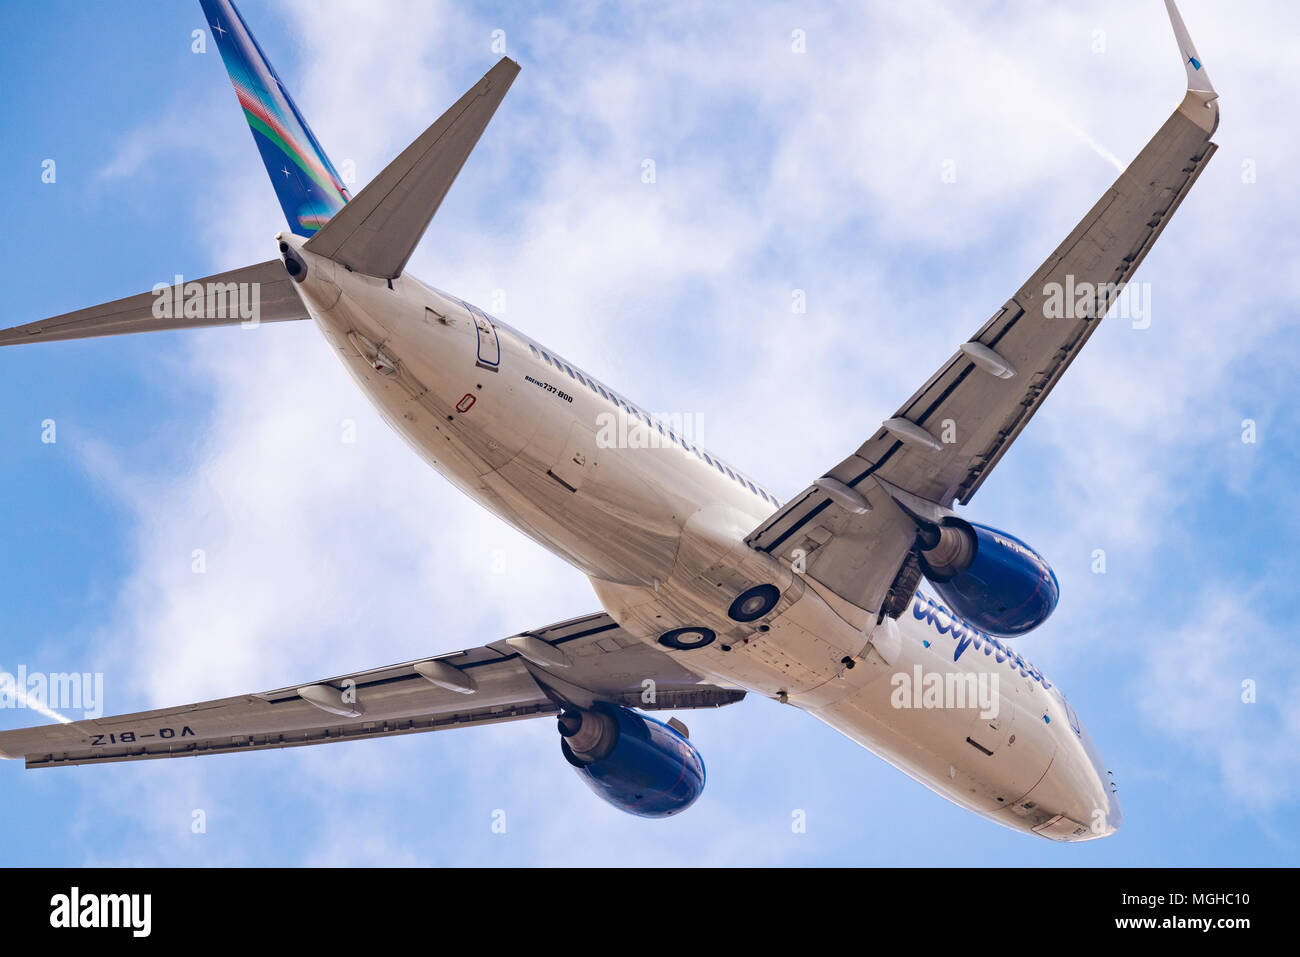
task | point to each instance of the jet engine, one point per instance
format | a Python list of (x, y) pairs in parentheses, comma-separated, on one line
[(992, 579), (631, 761)]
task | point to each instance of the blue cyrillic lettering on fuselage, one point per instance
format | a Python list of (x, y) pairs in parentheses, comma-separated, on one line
[(967, 636)]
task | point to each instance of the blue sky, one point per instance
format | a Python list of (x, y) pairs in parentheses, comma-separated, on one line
[(775, 171)]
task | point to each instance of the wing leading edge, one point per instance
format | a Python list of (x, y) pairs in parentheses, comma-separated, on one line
[(577, 661), (940, 446)]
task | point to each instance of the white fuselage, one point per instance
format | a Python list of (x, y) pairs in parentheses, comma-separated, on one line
[(660, 533)]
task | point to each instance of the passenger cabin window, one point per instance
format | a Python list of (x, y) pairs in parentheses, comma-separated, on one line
[(636, 412)]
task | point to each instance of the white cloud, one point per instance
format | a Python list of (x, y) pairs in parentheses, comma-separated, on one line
[(1225, 685)]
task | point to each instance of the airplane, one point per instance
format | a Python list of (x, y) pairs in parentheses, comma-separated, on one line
[(710, 587)]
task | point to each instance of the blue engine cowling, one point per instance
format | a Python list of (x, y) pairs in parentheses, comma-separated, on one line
[(992, 579), (634, 762)]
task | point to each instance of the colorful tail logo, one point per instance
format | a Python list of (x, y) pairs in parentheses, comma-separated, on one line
[(309, 188)]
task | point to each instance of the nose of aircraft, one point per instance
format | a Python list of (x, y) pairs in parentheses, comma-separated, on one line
[(1076, 798), (1116, 817), (1085, 791), (1103, 783)]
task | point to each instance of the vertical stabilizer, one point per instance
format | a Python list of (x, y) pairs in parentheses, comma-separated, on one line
[(308, 186)]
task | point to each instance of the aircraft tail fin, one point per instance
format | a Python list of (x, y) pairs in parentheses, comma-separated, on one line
[(308, 187), (377, 231)]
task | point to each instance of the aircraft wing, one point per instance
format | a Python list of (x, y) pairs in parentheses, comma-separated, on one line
[(578, 661), (847, 528), (263, 292)]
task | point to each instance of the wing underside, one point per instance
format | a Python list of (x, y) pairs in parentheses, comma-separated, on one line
[(589, 659), (848, 527)]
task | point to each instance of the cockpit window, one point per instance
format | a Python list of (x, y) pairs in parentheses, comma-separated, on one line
[(1071, 716)]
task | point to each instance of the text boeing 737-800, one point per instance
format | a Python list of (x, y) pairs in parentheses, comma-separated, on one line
[(711, 588)]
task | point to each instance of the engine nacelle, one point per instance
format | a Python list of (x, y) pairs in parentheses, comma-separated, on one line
[(992, 579), (634, 762)]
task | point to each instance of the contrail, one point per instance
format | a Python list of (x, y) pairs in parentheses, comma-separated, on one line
[(1050, 110), (1067, 124), (26, 702)]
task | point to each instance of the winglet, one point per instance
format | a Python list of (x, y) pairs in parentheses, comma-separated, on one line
[(1198, 105)]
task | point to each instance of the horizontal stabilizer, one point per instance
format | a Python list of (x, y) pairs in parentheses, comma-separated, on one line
[(378, 230), (261, 293)]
